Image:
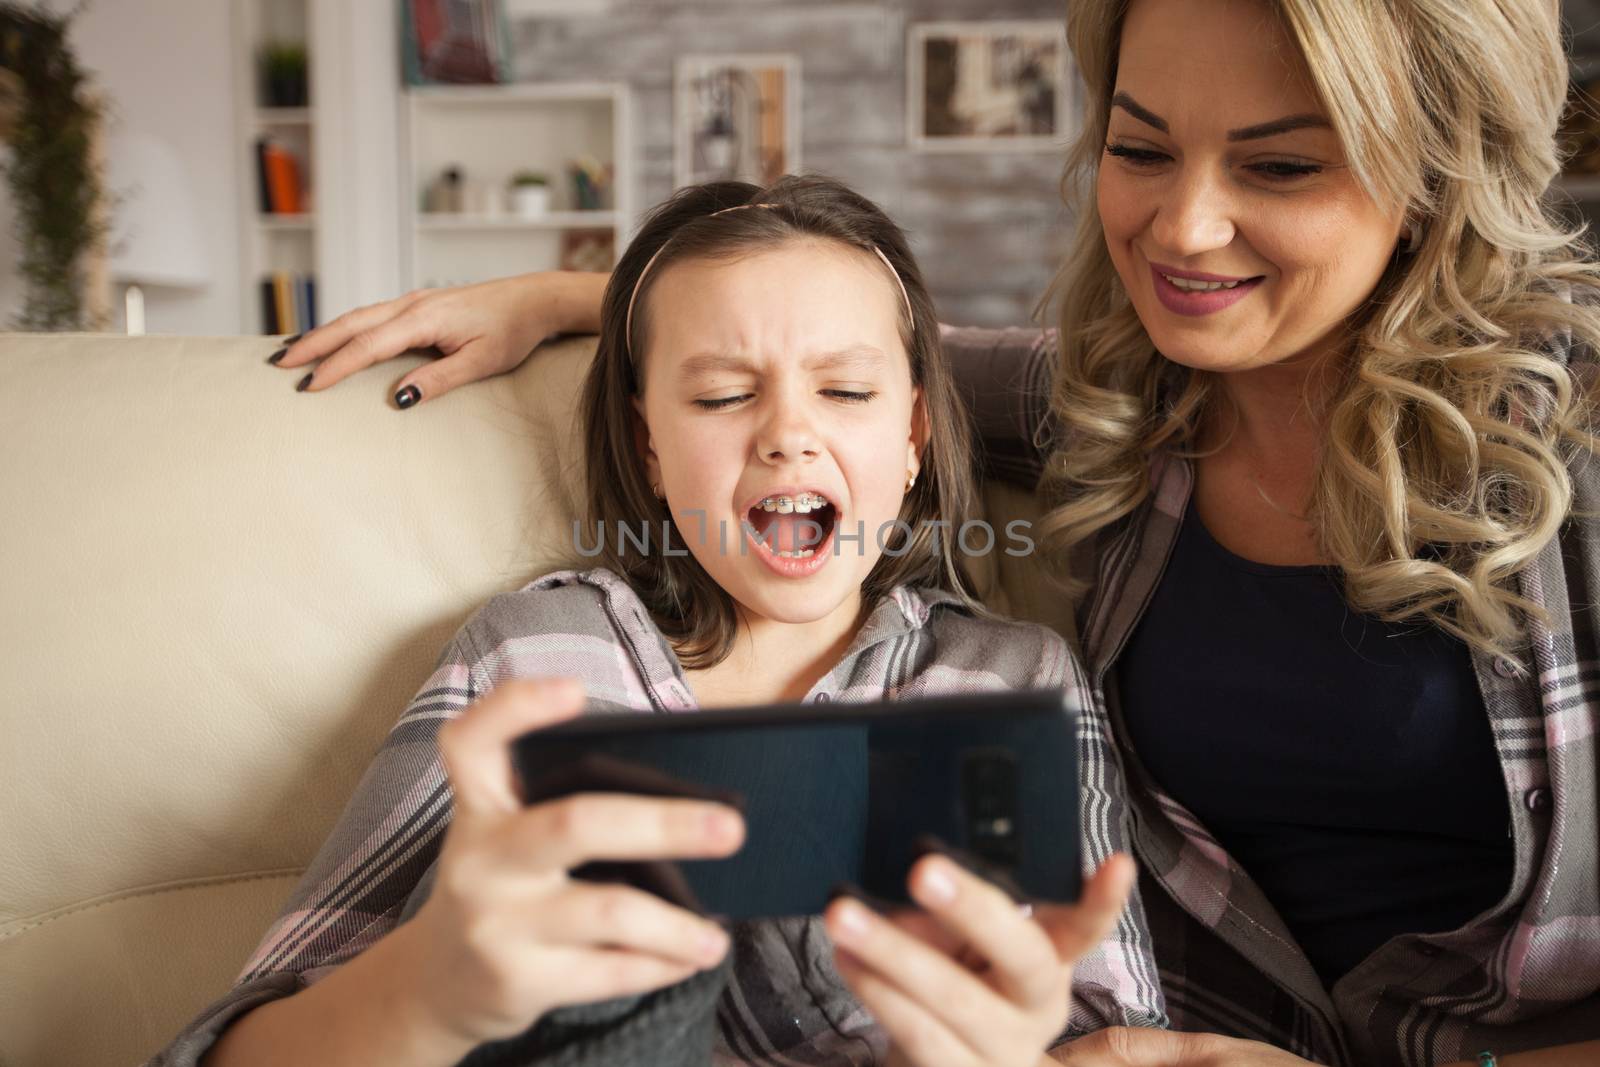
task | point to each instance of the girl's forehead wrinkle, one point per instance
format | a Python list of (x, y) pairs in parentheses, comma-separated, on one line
[(863, 359), (863, 356)]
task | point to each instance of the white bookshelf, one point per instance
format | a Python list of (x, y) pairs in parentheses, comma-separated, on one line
[(273, 242), (490, 132), (305, 220), (267, 118), (554, 220)]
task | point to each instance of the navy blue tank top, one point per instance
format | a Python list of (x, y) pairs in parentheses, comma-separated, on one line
[(1346, 763)]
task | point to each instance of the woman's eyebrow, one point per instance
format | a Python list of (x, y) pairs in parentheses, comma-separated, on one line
[(1247, 133), (1138, 111), (1277, 126)]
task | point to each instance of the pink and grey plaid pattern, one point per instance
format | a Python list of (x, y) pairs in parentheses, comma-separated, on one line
[(1525, 974), (783, 1003)]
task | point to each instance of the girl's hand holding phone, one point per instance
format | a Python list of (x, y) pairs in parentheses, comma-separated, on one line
[(505, 935), (972, 980)]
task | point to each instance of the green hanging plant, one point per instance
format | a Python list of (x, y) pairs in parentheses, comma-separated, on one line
[(50, 121)]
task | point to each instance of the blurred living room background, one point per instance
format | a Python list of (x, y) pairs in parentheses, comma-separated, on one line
[(260, 166), (268, 164)]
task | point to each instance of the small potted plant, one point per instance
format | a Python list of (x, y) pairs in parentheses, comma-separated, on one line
[(530, 194), (283, 66)]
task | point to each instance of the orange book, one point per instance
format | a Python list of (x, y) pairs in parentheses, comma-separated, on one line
[(283, 181)]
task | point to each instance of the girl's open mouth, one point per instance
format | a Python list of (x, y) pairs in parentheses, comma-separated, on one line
[(792, 534)]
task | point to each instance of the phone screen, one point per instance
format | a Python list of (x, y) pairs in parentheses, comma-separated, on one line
[(850, 794)]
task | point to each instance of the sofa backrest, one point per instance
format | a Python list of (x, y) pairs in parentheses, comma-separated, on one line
[(219, 593)]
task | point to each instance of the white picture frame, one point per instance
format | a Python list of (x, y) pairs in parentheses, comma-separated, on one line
[(718, 100), (1002, 106)]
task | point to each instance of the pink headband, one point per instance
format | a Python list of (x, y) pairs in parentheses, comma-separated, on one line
[(628, 327)]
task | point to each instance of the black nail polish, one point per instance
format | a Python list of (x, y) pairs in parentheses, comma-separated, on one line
[(303, 383), (273, 359), (408, 396), (287, 341)]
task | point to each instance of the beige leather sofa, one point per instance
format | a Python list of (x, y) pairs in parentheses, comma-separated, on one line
[(218, 593)]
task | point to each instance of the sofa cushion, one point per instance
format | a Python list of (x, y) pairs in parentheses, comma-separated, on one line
[(219, 594)]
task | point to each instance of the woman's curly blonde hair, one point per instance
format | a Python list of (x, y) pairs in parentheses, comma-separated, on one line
[(1452, 424)]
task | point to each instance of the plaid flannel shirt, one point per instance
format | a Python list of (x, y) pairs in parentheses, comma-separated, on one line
[(777, 1000), (1526, 973)]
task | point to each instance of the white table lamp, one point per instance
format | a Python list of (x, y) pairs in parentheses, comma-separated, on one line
[(155, 238)]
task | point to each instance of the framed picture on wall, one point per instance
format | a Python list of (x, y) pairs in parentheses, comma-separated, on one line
[(737, 118), (454, 42), (989, 86)]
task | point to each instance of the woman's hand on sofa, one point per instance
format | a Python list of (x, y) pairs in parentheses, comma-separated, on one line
[(516, 936), (480, 330)]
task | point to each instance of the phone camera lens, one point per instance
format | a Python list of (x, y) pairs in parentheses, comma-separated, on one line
[(989, 788)]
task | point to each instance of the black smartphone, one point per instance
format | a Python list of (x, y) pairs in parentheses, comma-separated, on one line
[(837, 796)]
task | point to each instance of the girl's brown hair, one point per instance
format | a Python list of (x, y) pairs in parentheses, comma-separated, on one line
[(695, 613)]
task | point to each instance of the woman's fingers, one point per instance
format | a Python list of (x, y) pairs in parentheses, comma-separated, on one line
[(919, 1035), (475, 746), (379, 342), (480, 330), (367, 336), (1078, 928), (1023, 961), (920, 972), (1121, 1046), (585, 827), (477, 359), (328, 338), (617, 916)]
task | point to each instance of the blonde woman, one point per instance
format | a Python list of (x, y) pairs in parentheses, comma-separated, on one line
[(1318, 421)]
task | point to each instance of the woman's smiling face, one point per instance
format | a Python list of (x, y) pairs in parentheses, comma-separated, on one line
[(1240, 233)]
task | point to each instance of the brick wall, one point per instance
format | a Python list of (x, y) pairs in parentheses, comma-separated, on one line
[(988, 229)]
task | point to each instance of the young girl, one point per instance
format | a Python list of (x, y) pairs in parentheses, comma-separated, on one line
[(769, 392)]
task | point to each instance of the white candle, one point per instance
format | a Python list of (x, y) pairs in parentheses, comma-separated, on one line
[(135, 299)]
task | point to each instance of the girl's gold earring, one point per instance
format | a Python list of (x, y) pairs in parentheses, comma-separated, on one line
[(911, 479)]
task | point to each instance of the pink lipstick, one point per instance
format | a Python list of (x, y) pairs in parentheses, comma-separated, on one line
[(1199, 302)]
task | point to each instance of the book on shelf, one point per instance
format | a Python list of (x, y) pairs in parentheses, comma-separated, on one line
[(278, 179), (280, 301), (288, 302)]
